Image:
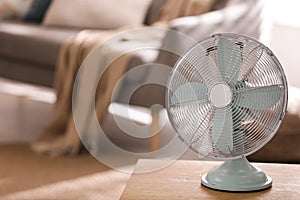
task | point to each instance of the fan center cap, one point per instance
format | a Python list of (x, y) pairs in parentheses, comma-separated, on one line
[(220, 95)]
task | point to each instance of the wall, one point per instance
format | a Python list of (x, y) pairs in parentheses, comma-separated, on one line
[(285, 36), (285, 43)]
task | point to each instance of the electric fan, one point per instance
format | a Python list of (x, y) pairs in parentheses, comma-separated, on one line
[(226, 98)]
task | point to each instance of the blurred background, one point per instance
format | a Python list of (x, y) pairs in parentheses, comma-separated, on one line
[(26, 108), (284, 36)]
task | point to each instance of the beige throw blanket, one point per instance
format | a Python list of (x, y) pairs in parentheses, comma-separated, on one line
[(60, 135), (182, 8)]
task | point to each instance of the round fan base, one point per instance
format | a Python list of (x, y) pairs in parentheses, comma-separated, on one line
[(236, 176)]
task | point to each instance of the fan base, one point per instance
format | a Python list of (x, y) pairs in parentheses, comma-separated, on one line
[(237, 176)]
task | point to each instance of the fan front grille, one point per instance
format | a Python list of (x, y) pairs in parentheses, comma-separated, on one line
[(257, 107)]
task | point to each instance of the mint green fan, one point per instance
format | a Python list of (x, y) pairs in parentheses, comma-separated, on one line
[(226, 98)]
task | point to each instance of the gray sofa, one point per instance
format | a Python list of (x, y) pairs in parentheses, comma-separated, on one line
[(28, 52)]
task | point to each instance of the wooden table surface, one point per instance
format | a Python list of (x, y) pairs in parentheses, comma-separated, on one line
[(182, 180)]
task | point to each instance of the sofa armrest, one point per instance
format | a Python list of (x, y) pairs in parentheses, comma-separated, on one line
[(245, 17), (239, 16)]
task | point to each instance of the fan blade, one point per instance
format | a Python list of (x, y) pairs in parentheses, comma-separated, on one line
[(201, 140), (222, 130), (199, 64), (259, 98), (192, 92), (188, 127), (205, 147), (229, 59), (251, 61)]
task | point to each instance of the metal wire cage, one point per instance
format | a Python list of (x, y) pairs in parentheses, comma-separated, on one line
[(227, 96)]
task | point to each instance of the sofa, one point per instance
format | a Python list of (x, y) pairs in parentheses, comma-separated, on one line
[(29, 48)]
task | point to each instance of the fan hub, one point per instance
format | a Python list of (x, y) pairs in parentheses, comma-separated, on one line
[(220, 95)]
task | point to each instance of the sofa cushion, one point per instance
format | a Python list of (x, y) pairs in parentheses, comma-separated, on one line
[(101, 14), (32, 43), (14, 9), (37, 11)]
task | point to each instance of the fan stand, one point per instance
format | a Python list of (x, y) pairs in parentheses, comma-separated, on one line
[(236, 176)]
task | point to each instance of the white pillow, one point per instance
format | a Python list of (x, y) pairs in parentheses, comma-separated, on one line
[(14, 8), (101, 14)]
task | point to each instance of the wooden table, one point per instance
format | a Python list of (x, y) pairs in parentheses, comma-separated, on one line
[(181, 180)]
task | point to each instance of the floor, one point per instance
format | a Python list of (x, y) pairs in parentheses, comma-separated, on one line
[(25, 175)]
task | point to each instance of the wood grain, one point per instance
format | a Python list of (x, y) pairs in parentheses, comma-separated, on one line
[(181, 180)]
